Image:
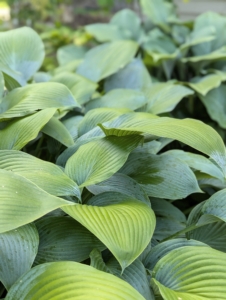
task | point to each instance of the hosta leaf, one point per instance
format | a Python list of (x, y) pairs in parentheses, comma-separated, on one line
[(191, 132), (72, 125), (22, 53), (98, 115), (191, 273), (18, 249), (164, 248), (133, 76), (213, 234), (91, 163), (119, 98), (124, 224), (120, 183), (33, 97), (68, 53), (22, 130), (135, 275), (161, 176), (197, 162), (163, 97), (105, 32), (214, 102), (203, 85), (56, 129), (66, 280), (80, 87), (97, 261), (217, 55), (96, 68), (23, 203), (46, 175), (62, 238), (2, 84)]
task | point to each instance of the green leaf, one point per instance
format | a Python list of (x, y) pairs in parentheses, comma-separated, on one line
[(23, 130), (191, 273), (163, 97), (214, 102), (133, 76), (191, 132), (56, 129), (124, 224), (120, 183), (203, 85), (164, 248), (119, 98), (91, 163), (81, 88), (45, 175), (96, 68), (105, 32), (72, 125), (23, 203), (68, 53), (62, 238), (26, 100), (65, 280), (2, 84), (161, 176), (18, 250), (217, 55), (22, 53)]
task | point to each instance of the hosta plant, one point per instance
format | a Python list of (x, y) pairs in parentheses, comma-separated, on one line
[(104, 193)]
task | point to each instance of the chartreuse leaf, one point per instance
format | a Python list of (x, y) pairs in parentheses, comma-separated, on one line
[(98, 115), (80, 87), (163, 97), (120, 183), (2, 84), (56, 129), (105, 32), (105, 60), (119, 98), (62, 238), (98, 160), (191, 273), (133, 76), (33, 97), (191, 132), (18, 249), (161, 176), (204, 84), (197, 162), (214, 102), (160, 250), (46, 175), (23, 203), (70, 280), (21, 53), (124, 224), (22, 130)]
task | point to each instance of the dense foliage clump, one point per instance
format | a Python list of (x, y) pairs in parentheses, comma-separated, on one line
[(113, 165)]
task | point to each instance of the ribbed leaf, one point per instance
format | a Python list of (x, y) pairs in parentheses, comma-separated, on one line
[(68, 53), (119, 98), (133, 76), (21, 53), (164, 248), (203, 85), (70, 280), (58, 131), (72, 125), (2, 84), (125, 225), (98, 160), (107, 59), (160, 176), (120, 183), (191, 273), (22, 130), (62, 238), (191, 132), (163, 97), (46, 175), (26, 100), (80, 87), (18, 249), (22, 202)]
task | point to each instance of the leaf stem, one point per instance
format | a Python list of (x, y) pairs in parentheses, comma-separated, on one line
[(187, 229)]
